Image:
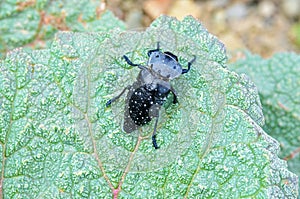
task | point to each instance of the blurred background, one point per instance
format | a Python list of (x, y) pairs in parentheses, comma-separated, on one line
[(263, 27)]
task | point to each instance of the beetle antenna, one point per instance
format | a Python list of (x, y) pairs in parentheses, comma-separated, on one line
[(189, 65), (155, 50)]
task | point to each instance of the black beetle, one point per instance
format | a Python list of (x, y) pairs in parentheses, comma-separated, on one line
[(149, 92)]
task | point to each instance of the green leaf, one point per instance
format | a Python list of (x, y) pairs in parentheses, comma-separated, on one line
[(278, 83), (60, 141), (34, 23)]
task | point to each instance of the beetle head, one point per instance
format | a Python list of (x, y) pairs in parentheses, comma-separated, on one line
[(165, 64)]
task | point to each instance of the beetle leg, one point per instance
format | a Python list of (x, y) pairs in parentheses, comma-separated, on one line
[(154, 135), (189, 65), (108, 103), (132, 64), (154, 112), (129, 62), (175, 101)]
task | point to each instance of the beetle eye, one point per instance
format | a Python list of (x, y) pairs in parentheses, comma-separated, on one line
[(157, 56)]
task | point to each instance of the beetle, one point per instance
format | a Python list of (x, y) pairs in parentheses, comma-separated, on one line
[(146, 96)]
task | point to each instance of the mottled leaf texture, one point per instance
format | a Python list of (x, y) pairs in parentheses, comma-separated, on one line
[(278, 82), (59, 140), (34, 23)]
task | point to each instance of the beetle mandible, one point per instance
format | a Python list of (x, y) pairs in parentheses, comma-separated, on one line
[(146, 96)]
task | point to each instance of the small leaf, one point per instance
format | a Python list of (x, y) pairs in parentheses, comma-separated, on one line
[(59, 139)]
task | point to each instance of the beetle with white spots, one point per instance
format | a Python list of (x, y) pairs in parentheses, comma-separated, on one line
[(146, 96)]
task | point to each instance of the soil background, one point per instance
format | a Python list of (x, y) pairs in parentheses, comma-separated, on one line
[(263, 27)]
